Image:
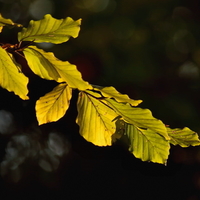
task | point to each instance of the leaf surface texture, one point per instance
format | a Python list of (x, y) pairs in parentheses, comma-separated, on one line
[(12, 78), (50, 30), (95, 120), (53, 105)]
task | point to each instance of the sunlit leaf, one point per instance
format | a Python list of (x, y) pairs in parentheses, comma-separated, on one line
[(183, 137), (142, 118), (7, 22), (53, 105), (50, 30), (71, 75), (39, 62), (147, 145), (47, 66), (111, 92), (94, 93), (10, 76), (95, 120)]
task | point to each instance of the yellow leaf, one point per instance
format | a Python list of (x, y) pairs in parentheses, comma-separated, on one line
[(96, 120), (47, 66), (53, 105), (111, 92), (141, 118), (10, 77), (183, 137), (50, 30), (40, 63), (8, 22), (147, 144)]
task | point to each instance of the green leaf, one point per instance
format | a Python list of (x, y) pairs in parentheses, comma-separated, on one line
[(95, 120), (142, 118), (47, 66), (10, 76), (111, 92), (183, 137), (147, 145), (50, 30), (53, 105), (7, 22)]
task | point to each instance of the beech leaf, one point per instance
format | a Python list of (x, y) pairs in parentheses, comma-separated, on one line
[(39, 62), (8, 22), (95, 120), (12, 78), (50, 30), (183, 137), (141, 118), (111, 92), (147, 145), (53, 105), (47, 66)]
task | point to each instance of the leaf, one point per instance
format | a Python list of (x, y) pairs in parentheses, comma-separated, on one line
[(7, 22), (111, 92), (183, 137), (147, 145), (37, 60), (95, 93), (95, 120), (53, 105), (10, 76), (120, 129), (71, 75), (47, 66), (50, 30), (142, 118)]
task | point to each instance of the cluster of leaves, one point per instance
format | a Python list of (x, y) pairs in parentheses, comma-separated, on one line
[(104, 114)]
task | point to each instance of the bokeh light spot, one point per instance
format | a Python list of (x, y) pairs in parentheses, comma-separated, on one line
[(189, 70), (41, 7), (93, 5), (45, 45), (6, 122), (57, 144)]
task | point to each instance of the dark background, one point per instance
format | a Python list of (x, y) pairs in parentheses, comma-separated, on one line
[(148, 49)]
